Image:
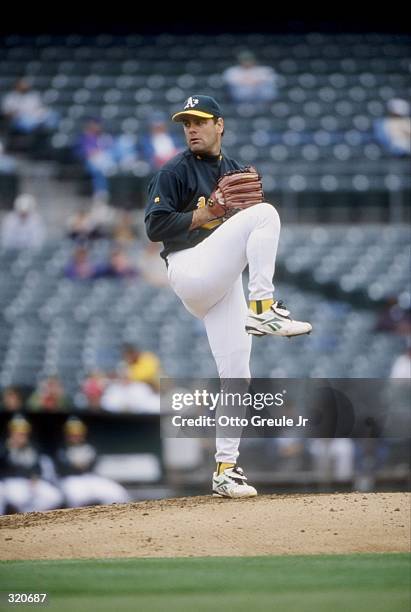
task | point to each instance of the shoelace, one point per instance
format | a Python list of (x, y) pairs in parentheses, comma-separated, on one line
[(278, 306), (239, 471)]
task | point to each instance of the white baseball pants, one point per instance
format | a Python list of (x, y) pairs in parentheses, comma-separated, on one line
[(208, 280), (86, 489), (28, 495)]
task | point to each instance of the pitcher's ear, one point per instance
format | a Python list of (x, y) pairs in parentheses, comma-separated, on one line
[(220, 123)]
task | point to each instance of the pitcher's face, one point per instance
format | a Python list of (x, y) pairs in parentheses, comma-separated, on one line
[(203, 136)]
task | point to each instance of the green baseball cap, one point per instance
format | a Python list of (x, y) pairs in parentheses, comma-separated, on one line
[(199, 106)]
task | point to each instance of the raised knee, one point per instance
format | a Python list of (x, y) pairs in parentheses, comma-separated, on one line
[(270, 212)]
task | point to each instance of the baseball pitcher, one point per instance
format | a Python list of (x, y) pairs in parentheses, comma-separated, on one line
[(211, 216)]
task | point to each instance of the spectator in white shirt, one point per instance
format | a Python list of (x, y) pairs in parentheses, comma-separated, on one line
[(158, 145), (248, 82), (24, 109), (23, 228), (393, 132)]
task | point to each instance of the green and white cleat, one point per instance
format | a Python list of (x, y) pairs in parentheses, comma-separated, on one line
[(275, 321), (232, 483)]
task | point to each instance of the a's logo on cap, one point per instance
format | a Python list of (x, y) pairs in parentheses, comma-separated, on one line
[(191, 102)]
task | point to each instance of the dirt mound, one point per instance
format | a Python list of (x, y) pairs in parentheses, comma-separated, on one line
[(207, 526)]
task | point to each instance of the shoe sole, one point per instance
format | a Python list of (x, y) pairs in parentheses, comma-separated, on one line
[(229, 496), (252, 331)]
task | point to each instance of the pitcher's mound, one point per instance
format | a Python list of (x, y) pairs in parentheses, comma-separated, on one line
[(207, 526)]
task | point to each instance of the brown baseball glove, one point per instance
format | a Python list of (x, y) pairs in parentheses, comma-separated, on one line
[(236, 190)]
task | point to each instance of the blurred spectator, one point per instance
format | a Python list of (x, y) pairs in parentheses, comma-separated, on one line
[(333, 458), (24, 472), (394, 318), (398, 392), (7, 163), (25, 111), (76, 461), (141, 366), (83, 226), (80, 267), (92, 389), (287, 449), (151, 266), (103, 155), (23, 228), (103, 216), (394, 131), (49, 396), (401, 368), (118, 266), (12, 400), (370, 456), (124, 231), (96, 150), (135, 387), (287, 453), (158, 145), (248, 82), (125, 152), (124, 395)]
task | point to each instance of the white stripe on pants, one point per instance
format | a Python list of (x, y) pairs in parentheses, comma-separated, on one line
[(208, 280)]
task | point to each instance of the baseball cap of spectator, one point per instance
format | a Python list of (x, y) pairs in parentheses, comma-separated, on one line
[(20, 424), (25, 203), (199, 106), (398, 106), (73, 425)]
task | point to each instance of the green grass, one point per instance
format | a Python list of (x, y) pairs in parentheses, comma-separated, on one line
[(329, 583)]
